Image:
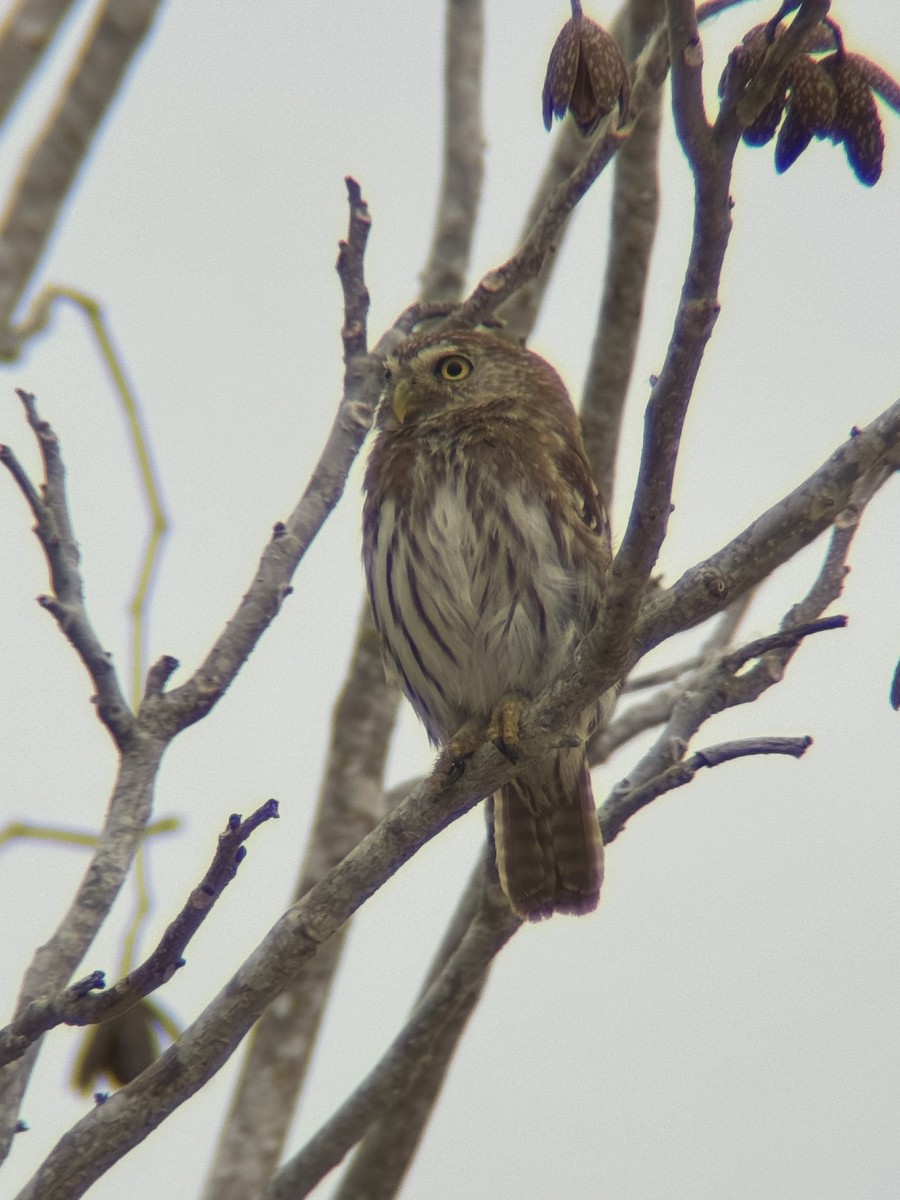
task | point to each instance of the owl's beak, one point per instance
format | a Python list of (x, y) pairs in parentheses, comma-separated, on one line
[(401, 400)]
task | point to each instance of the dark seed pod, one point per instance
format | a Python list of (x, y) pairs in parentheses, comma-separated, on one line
[(118, 1049), (762, 130), (793, 138), (813, 95), (586, 75), (856, 122)]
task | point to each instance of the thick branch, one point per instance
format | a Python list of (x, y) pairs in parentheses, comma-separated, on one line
[(27, 31), (351, 802), (453, 993), (444, 275), (55, 157)]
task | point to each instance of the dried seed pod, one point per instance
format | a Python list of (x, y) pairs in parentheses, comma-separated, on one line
[(813, 95), (762, 130), (119, 1049), (586, 74), (856, 122), (793, 138)]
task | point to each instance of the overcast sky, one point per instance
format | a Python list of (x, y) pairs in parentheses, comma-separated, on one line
[(725, 1025)]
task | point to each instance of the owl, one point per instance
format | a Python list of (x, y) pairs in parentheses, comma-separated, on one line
[(486, 546)]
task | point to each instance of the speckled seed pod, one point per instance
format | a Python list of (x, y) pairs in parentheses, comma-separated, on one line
[(813, 95), (586, 75), (762, 130), (856, 122), (793, 138)]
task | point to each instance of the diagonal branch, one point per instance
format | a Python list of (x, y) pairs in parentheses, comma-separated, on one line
[(101, 1138), (351, 802), (451, 996), (79, 1005), (27, 31), (54, 159)]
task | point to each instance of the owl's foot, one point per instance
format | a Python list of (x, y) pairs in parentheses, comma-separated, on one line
[(452, 759), (503, 728)]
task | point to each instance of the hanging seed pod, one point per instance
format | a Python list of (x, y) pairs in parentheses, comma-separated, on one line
[(793, 138), (762, 130), (586, 75), (118, 1049), (812, 94), (856, 122)]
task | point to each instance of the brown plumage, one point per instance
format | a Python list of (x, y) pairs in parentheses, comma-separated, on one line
[(486, 547)]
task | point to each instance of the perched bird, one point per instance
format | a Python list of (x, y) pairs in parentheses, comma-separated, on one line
[(486, 546)]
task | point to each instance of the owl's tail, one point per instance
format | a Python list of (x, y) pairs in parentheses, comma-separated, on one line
[(547, 838)]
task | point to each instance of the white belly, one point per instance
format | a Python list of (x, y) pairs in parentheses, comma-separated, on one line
[(486, 603)]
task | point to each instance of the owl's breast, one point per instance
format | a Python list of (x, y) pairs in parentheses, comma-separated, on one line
[(478, 590)]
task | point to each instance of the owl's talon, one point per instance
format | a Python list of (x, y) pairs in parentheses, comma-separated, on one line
[(512, 752), (503, 728), (452, 759)]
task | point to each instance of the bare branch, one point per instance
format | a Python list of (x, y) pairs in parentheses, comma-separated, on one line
[(28, 29), (633, 220), (55, 157), (381, 1161), (363, 380), (78, 1005), (351, 802), (774, 537), (53, 528), (444, 275), (620, 807), (502, 282), (455, 990)]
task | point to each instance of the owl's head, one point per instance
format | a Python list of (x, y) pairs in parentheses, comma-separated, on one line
[(436, 372)]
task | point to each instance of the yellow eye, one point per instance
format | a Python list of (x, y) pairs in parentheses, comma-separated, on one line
[(453, 368)]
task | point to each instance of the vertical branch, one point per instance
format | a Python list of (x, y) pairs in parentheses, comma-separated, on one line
[(711, 161), (444, 275), (520, 312), (351, 800), (350, 805), (635, 211)]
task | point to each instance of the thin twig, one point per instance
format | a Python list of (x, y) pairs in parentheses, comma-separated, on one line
[(79, 1005), (66, 603), (617, 811), (363, 381)]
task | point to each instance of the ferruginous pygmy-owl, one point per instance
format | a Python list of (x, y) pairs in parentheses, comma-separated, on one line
[(486, 547)]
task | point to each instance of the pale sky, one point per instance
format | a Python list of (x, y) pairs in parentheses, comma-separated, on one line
[(725, 1025)]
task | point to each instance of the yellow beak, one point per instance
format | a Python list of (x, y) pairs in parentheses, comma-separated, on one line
[(401, 400)]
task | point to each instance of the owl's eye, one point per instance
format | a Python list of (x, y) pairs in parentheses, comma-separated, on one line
[(453, 368)]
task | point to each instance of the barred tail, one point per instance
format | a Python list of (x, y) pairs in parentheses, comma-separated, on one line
[(547, 837)]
